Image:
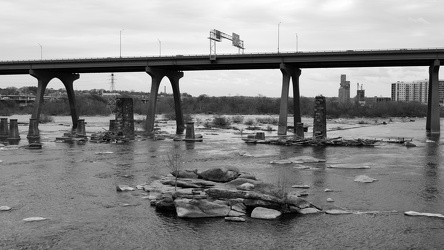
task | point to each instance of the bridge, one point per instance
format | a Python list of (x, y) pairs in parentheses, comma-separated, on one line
[(173, 67)]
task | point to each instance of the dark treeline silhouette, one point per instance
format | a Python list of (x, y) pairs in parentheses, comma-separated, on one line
[(92, 102)]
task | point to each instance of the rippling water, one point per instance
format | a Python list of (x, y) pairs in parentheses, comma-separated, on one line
[(74, 187)]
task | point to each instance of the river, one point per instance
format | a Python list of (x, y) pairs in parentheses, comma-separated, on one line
[(74, 187)]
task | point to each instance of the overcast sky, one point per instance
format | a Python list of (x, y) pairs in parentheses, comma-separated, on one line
[(56, 29)]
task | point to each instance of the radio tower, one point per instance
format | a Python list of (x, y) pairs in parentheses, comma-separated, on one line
[(112, 88)]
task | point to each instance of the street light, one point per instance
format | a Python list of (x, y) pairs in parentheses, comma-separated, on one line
[(297, 42), (121, 42), (160, 47), (278, 35), (41, 51)]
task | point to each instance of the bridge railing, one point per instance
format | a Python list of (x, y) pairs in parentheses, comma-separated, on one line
[(222, 54)]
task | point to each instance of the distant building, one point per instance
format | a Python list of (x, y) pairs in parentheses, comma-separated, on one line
[(415, 91), (360, 96), (344, 90)]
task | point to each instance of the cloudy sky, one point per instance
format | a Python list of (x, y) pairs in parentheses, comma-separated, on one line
[(56, 29)]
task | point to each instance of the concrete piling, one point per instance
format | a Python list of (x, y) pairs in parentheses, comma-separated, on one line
[(4, 131), (320, 118), (299, 129), (80, 132), (112, 126), (33, 133), (14, 135), (260, 136), (189, 134)]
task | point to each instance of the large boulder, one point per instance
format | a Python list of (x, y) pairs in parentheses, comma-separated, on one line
[(265, 213), (192, 208), (165, 202), (186, 173), (222, 174)]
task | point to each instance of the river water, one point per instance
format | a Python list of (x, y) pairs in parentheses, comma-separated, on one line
[(74, 187)]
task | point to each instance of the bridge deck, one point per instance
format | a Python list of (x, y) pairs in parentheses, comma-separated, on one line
[(328, 59)]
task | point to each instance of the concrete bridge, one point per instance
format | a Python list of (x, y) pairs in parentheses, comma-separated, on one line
[(173, 67)]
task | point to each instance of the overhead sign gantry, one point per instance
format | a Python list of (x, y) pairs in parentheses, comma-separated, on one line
[(216, 36)]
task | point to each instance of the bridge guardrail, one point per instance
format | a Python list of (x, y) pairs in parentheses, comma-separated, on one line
[(222, 54)]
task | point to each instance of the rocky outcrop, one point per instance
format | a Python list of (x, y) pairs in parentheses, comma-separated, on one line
[(200, 198)]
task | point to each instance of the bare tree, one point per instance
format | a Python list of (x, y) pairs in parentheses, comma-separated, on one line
[(173, 161)]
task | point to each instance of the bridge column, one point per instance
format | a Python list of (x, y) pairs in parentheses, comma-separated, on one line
[(156, 77), (287, 72), (43, 78), (433, 123)]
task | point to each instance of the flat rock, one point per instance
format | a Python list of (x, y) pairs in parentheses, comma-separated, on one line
[(281, 162), (235, 219), (5, 208), (305, 159), (337, 211), (265, 213), (32, 219), (330, 200), (301, 186), (347, 166), (328, 190), (104, 153), (123, 188), (246, 186), (364, 179), (413, 213), (309, 210)]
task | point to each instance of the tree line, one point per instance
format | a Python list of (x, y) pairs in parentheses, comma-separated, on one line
[(91, 103)]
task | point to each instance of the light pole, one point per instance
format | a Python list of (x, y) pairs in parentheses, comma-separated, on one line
[(278, 35), (121, 42), (41, 51), (160, 47), (297, 42)]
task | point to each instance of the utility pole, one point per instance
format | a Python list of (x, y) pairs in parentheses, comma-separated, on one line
[(278, 35), (121, 42), (41, 51)]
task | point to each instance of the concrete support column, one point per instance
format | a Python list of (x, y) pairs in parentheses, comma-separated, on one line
[(433, 123), (174, 79), (43, 78), (156, 77), (287, 72)]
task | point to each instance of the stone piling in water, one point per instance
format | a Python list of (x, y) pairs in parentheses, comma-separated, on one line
[(4, 132), (125, 117), (320, 118), (189, 134), (14, 135), (33, 133), (81, 128)]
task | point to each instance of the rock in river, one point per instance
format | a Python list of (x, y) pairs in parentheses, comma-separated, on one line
[(265, 213), (222, 174), (364, 179)]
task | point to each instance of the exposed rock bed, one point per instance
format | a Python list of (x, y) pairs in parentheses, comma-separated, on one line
[(223, 192)]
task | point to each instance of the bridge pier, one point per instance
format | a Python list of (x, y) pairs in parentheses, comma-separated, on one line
[(43, 78), (287, 72), (433, 123), (156, 77)]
